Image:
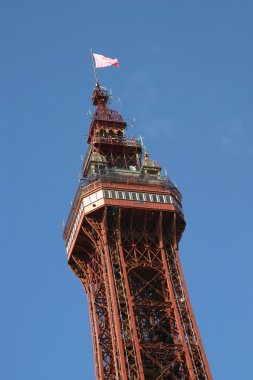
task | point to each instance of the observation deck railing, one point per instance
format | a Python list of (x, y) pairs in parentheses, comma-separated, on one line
[(116, 139)]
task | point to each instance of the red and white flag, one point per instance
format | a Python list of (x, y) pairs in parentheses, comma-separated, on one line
[(101, 61)]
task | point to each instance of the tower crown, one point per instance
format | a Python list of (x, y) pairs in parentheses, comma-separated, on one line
[(105, 122), (113, 157)]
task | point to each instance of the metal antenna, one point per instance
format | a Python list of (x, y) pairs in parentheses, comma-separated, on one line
[(114, 99), (89, 114), (141, 139), (142, 145), (133, 123)]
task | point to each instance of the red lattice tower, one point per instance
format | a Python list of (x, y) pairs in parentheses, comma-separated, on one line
[(122, 238)]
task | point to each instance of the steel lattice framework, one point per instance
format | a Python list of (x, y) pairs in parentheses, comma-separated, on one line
[(122, 239)]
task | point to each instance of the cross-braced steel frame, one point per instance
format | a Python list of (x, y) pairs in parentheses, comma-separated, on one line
[(142, 322)]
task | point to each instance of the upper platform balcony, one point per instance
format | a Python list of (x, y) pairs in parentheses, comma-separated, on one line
[(116, 139), (118, 143), (122, 180)]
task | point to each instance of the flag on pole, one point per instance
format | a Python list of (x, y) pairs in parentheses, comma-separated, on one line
[(101, 61)]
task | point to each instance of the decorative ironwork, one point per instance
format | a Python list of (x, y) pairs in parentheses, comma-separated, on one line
[(114, 139), (107, 115)]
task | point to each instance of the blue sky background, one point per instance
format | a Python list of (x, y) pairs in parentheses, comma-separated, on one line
[(186, 76)]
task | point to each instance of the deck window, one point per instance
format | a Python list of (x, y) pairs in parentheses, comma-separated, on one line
[(153, 197), (134, 196), (141, 197), (93, 198), (106, 194), (120, 195), (167, 199), (148, 198), (99, 194), (86, 201), (127, 195), (161, 198)]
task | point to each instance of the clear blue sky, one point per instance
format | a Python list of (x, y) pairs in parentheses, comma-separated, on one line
[(186, 76)]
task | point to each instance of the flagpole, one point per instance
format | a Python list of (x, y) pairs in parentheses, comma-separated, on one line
[(94, 67)]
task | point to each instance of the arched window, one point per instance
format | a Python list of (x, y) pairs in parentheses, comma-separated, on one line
[(111, 132)]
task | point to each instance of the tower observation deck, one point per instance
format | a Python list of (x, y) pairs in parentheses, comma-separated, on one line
[(122, 237)]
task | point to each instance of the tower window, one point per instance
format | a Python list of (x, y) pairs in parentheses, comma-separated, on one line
[(141, 197), (106, 194), (113, 194), (167, 199), (99, 194), (161, 198), (111, 133), (153, 198), (120, 195), (134, 196), (86, 201), (148, 198), (93, 198), (127, 195)]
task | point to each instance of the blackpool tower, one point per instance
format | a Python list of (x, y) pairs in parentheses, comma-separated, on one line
[(122, 237)]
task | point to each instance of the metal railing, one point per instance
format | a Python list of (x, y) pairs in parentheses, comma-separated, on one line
[(111, 175), (116, 139)]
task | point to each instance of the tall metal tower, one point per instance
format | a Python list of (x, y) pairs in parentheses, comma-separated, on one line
[(122, 238)]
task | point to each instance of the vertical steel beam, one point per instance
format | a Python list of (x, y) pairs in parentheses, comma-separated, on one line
[(88, 285), (112, 332), (130, 303), (94, 319), (172, 298), (115, 315), (195, 327)]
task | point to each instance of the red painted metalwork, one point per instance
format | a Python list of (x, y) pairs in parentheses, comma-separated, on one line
[(122, 239)]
